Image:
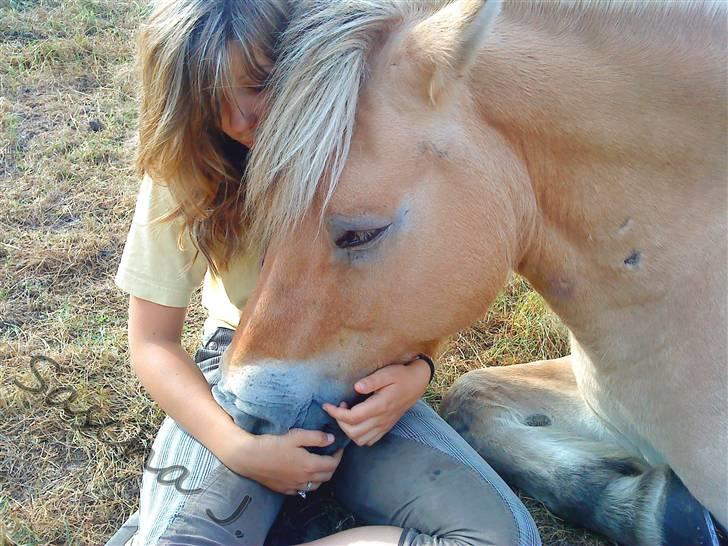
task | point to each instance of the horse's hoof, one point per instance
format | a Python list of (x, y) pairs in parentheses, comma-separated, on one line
[(685, 521)]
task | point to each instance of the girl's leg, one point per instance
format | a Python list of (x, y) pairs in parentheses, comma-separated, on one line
[(188, 497), (230, 509), (423, 477)]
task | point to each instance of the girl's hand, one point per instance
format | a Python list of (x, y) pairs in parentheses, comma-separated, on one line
[(396, 388), (281, 463)]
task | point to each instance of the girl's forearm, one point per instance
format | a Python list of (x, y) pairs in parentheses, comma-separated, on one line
[(178, 386)]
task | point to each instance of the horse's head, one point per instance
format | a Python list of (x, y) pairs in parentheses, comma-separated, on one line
[(406, 242)]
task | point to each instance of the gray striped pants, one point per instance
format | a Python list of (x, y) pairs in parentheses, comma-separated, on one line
[(421, 476)]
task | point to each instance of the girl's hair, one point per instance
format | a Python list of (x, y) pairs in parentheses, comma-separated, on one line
[(185, 64)]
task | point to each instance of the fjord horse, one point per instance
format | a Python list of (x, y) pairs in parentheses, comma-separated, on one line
[(413, 153)]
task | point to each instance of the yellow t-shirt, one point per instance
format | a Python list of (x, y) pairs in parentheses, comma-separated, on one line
[(154, 268)]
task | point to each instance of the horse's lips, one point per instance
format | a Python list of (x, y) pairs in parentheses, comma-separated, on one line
[(273, 401)]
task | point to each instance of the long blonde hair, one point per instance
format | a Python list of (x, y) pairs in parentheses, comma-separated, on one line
[(184, 61)]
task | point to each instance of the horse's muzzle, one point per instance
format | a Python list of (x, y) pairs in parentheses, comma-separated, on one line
[(273, 399)]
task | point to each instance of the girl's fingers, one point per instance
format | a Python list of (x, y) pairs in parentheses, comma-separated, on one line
[(374, 438), (310, 438), (341, 414), (348, 430), (363, 439), (320, 463), (344, 427), (321, 477), (371, 407), (363, 430), (377, 380), (338, 454), (370, 437)]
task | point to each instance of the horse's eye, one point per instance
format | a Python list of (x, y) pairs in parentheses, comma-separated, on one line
[(360, 239)]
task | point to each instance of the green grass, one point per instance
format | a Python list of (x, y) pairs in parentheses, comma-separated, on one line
[(66, 199)]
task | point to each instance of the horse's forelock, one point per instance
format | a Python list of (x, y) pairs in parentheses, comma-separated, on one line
[(303, 141)]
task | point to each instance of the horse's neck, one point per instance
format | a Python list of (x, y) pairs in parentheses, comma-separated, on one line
[(622, 130)]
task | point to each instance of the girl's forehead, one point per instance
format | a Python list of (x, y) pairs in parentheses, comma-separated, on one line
[(240, 62)]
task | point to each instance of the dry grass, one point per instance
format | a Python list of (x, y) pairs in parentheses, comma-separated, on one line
[(67, 119)]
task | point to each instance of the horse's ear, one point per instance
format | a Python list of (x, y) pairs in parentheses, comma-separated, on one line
[(454, 36)]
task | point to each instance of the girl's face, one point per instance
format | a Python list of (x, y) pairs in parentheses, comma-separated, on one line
[(239, 117)]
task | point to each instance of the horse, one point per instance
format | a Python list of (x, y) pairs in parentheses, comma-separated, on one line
[(414, 154)]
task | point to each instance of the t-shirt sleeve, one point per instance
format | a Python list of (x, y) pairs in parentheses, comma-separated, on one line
[(152, 266)]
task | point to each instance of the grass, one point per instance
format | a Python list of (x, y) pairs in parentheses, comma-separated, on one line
[(67, 193)]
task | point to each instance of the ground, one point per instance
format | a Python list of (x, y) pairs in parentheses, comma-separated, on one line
[(67, 188)]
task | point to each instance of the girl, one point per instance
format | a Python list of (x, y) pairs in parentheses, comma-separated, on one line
[(204, 64)]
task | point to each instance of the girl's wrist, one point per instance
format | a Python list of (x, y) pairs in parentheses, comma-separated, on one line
[(231, 445), (430, 364), (422, 368)]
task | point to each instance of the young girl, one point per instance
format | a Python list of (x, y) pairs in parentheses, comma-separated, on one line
[(204, 64)]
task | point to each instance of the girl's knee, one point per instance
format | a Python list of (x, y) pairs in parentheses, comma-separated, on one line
[(503, 532)]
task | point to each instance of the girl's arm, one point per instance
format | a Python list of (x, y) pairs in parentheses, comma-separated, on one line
[(169, 374), (174, 381)]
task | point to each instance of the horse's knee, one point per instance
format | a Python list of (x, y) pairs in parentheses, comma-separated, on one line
[(475, 406), (467, 395), (487, 404)]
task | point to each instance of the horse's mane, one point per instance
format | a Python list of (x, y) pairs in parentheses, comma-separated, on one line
[(303, 142)]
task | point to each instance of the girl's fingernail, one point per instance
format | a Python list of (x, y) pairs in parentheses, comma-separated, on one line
[(359, 386), (330, 437)]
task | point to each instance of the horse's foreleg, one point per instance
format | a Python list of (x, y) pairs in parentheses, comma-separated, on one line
[(531, 424)]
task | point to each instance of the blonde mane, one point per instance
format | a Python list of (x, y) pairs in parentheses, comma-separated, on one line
[(303, 142), (304, 139)]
